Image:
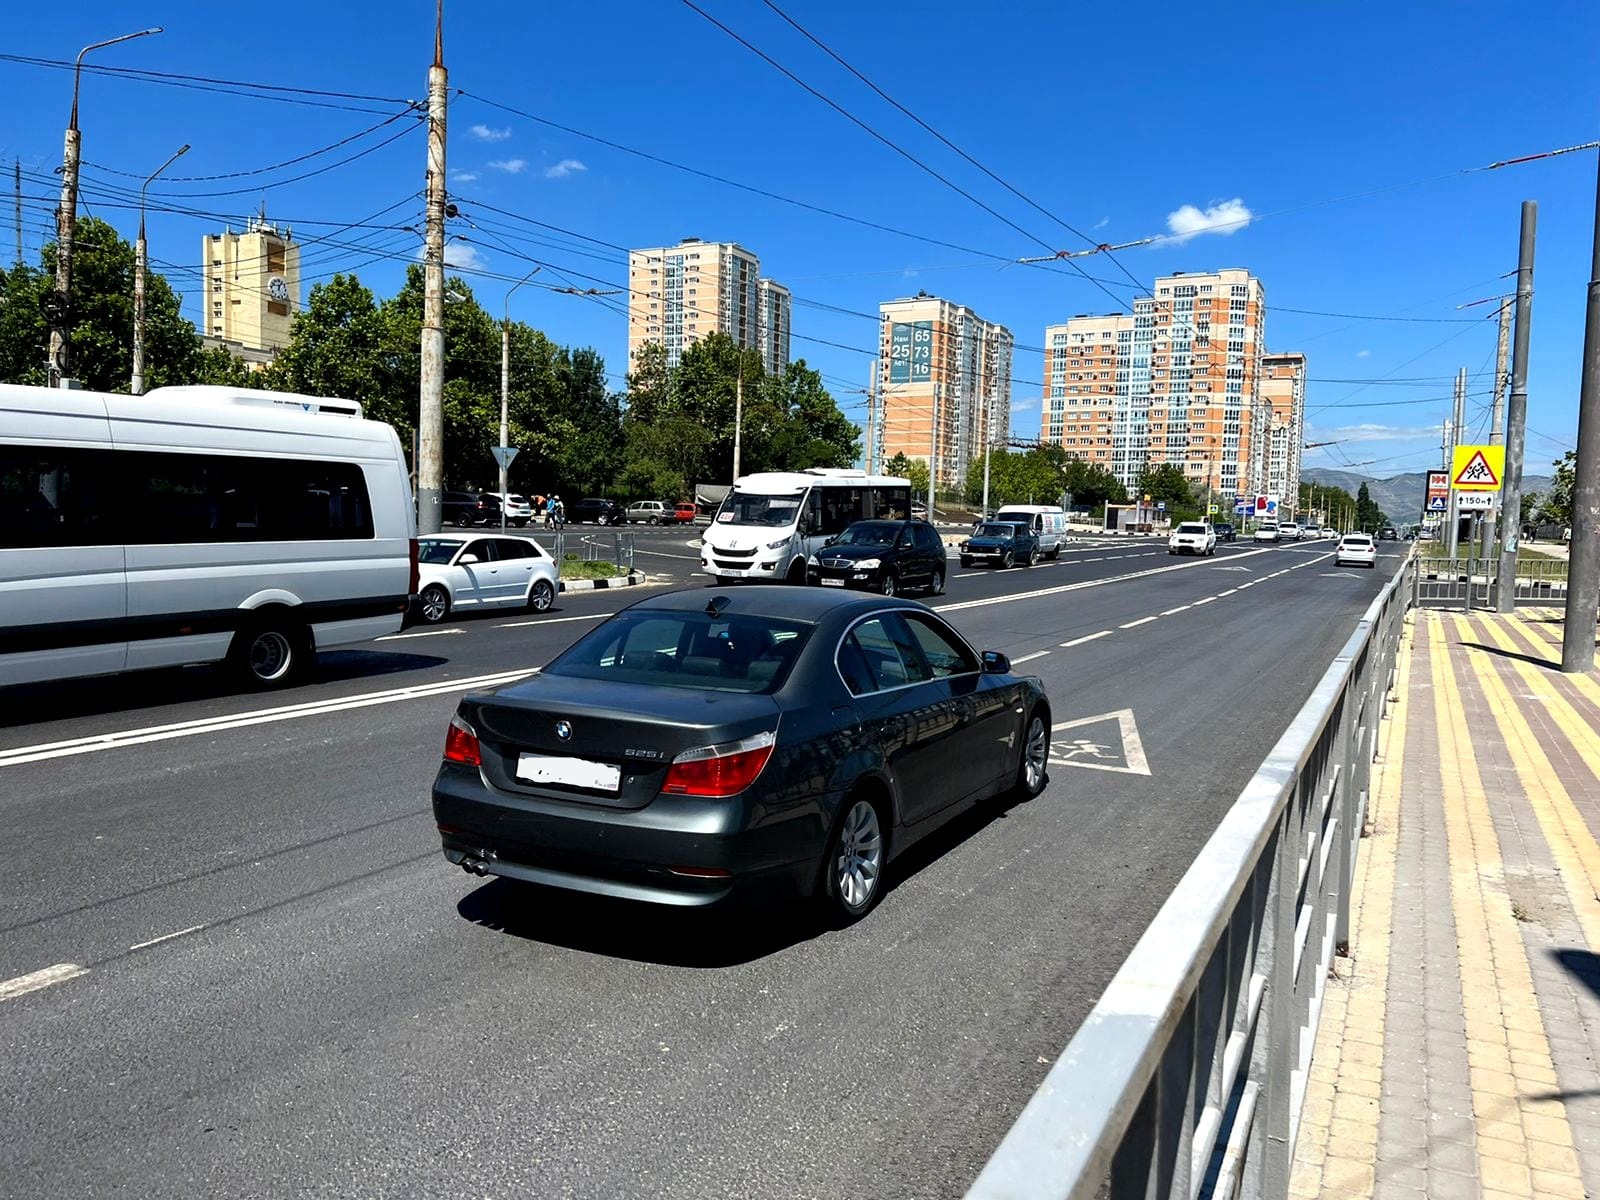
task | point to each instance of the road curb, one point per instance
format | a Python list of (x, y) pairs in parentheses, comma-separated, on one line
[(633, 579)]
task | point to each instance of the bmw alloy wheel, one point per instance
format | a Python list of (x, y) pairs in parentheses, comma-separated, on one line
[(887, 587), (1035, 757), (859, 860)]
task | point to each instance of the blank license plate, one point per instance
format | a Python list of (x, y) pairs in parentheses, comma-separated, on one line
[(571, 772), (833, 583)]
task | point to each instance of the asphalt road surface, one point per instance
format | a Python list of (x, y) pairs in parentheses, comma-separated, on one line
[(234, 962)]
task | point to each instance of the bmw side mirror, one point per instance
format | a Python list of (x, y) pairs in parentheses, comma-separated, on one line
[(995, 663)]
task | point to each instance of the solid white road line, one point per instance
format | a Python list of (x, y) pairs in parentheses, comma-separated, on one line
[(35, 980), (551, 621), (395, 637), (1136, 624), (316, 708), (167, 937), (1029, 657), (1076, 587), (1091, 637)]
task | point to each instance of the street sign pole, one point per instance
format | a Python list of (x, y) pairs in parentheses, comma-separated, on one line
[(503, 456)]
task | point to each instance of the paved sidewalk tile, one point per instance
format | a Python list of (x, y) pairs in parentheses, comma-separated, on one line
[(1459, 1048)]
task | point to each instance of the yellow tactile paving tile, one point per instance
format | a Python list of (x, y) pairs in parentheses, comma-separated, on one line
[(1497, 980)]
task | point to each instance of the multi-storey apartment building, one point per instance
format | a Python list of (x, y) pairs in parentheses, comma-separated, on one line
[(680, 294), (252, 288), (1177, 382), (944, 385), (1283, 390)]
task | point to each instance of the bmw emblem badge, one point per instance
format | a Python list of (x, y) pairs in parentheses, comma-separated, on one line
[(564, 730)]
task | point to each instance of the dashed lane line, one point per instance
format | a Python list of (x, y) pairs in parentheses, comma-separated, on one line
[(1029, 657), (37, 980), (1173, 611), (1080, 585), (166, 937), (1088, 638), (1139, 622), (395, 637)]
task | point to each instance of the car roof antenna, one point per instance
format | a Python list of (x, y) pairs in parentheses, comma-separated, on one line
[(716, 604)]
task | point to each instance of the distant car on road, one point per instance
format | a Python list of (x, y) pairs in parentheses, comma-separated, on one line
[(519, 509), (1225, 532), (1388, 534), (597, 511), (684, 512), (1356, 549), (1267, 531), (1288, 531), (919, 510), (1192, 537), (1001, 543), (881, 556), (466, 509), (466, 571), (1328, 531), (587, 776), (650, 512)]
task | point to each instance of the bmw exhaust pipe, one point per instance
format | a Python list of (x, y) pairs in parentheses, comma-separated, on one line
[(474, 866)]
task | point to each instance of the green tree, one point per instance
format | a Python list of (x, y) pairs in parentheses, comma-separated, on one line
[(339, 348), (1168, 483), (100, 351), (1368, 515), (917, 473), (897, 465), (1557, 506)]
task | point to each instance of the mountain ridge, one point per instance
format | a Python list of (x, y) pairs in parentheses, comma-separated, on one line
[(1400, 496)]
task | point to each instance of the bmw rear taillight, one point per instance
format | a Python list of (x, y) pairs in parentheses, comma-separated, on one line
[(720, 771), (461, 744)]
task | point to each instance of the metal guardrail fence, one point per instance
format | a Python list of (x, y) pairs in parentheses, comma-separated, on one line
[(596, 545), (1187, 1078), (1469, 583)]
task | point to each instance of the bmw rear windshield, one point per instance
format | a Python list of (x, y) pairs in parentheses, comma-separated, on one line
[(693, 650)]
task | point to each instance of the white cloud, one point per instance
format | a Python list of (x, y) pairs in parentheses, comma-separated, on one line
[(1023, 405), (1363, 353), (1224, 216), (463, 177), (463, 256), (1102, 222), (564, 168), (511, 166), (909, 273), (484, 134)]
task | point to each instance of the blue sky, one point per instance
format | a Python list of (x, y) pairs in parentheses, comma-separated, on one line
[(1345, 130)]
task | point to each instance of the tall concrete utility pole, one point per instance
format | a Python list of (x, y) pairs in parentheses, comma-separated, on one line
[(67, 223), (1497, 418), (870, 457), (988, 450), (430, 419), (1458, 413), (1583, 572), (141, 258), (933, 452), (1517, 415), (505, 391), (738, 418)]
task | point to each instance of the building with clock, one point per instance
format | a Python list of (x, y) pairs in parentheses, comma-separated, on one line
[(252, 289)]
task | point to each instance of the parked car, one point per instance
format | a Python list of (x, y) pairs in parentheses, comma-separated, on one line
[(466, 509), (519, 509), (824, 744), (1225, 532), (1388, 534), (1356, 549), (600, 512), (466, 571), (881, 556), (1001, 543), (650, 512), (1192, 537), (919, 510), (684, 512), (1267, 531)]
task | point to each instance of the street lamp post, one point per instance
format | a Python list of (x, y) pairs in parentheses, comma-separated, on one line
[(67, 221), (140, 259), (505, 392)]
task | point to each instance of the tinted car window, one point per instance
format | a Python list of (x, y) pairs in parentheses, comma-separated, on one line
[(944, 652), (890, 653), (929, 540), (868, 533), (687, 650), (508, 548), (483, 548)]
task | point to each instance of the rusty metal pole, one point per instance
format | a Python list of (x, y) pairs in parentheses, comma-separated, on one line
[(1583, 571), (430, 422)]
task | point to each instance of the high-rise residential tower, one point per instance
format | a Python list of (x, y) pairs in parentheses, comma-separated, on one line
[(680, 294)]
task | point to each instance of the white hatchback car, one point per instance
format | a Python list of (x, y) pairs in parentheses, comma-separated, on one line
[(1356, 550), (465, 571)]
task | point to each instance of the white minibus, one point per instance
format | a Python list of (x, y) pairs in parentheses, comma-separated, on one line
[(769, 523), (194, 525)]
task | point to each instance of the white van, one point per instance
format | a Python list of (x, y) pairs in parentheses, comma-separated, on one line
[(770, 523), (1048, 522), (195, 525)]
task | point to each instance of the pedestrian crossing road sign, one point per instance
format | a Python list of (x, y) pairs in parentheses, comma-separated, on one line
[(1438, 503), (1478, 468)]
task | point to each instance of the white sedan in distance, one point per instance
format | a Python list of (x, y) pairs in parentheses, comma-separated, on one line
[(466, 571), (1193, 537), (1267, 531), (1356, 550)]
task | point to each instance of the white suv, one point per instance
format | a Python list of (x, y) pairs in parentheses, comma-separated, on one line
[(1288, 531), (1193, 537), (518, 510), (1357, 549)]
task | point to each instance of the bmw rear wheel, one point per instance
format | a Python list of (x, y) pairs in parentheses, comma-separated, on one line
[(853, 866), (1033, 772)]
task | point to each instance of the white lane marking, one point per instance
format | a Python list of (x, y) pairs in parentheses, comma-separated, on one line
[(552, 621), (1094, 560), (1029, 657), (1091, 637), (1074, 587), (316, 708), (395, 637), (1229, 592), (167, 937), (664, 554), (1207, 600), (1181, 608), (1136, 624), (35, 980)]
